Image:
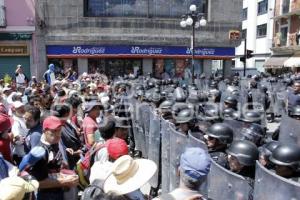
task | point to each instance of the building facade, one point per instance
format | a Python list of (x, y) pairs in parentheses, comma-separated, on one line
[(122, 37), (17, 38), (285, 43), (257, 27)]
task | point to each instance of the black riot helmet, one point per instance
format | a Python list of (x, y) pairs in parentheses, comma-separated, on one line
[(271, 146), (221, 132), (167, 104), (286, 155), (179, 95), (251, 116), (230, 113), (184, 116), (254, 133), (245, 151), (213, 84), (295, 112), (231, 100)]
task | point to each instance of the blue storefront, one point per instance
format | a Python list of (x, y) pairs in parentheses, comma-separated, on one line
[(123, 59)]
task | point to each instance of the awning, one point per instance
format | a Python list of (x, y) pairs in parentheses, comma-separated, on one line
[(276, 61), (292, 62)]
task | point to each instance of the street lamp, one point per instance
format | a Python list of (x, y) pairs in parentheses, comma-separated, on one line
[(195, 20)]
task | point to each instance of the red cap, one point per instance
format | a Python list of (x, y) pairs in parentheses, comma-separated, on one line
[(51, 123), (116, 148), (5, 123)]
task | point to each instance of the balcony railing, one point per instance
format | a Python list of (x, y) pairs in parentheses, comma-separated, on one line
[(3, 16)]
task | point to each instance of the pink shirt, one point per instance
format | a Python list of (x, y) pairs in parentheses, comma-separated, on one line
[(89, 126)]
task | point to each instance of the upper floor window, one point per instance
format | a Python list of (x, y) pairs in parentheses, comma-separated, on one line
[(262, 7), (261, 31), (245, 14), (141, 8), (285, 6)]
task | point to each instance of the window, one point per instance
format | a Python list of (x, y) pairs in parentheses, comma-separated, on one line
[(284, 34), (261, 31), (259, 65), (245, 14), (285, 6), (2, 14), (262, 7), (244, 33), (141, 8)]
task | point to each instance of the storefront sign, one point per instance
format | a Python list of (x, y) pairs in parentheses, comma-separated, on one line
[(15, 36), (136, 50), (13, 50)]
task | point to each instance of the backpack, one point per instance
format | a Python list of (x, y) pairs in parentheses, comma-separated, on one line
[(83, 166), (93, 190)]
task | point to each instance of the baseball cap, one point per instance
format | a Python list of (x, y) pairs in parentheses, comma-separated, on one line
[(116, 148), (51, 123), (5, 123), (195, 163)]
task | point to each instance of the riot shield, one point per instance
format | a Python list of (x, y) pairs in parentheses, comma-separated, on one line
[(224, 184), (237, 127), (154, 145), (269, 186), (244, 83), (177, 147), (289, 131), (258, 100), (222, 86), (243, 98), (141, 139), (280, 99), (165, 155), (145, 120), (195, 141)]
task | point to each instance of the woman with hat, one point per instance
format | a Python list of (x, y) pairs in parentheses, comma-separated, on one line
[(90, 126)]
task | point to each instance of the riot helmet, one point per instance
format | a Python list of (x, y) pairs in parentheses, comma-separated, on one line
[(221, 132), (245, 151), (286, 155)]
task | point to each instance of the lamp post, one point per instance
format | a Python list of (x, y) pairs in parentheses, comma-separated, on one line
[(195, 20)]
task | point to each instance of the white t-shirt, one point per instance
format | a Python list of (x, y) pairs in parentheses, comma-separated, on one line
[(19, 129), (20, 79)]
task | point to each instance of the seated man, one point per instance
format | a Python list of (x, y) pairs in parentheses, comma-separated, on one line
[(193, 169)]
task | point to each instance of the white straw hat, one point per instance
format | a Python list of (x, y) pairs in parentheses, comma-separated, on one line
[(129, 175)]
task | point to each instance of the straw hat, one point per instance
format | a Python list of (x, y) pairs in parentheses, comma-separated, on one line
[(14, 188), (129, 175)]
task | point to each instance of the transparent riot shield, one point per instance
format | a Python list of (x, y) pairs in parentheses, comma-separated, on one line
[(289, 130), (237, 127), (141, 139), (269, 186), (258, 100), (179, 142), (280, 99), (195, 141), (222, 86), (165, 155), (154, 145), (145, 110), (224, 184)]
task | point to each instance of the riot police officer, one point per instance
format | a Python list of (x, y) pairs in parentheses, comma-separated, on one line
[(242, 155), (218, 137), (286, 159)]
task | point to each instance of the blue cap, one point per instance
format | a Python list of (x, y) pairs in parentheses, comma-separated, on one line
[(30, 159), (195, 163)]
